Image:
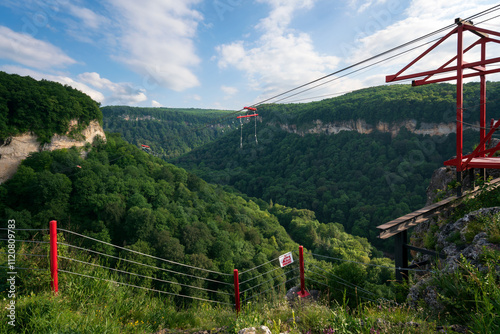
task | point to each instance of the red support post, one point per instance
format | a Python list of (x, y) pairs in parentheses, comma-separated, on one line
[(236, 290), (53, 256), (482, 99), (303, 293), (460, 87)]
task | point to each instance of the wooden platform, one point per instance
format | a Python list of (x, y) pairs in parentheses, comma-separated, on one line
[(414, 218)]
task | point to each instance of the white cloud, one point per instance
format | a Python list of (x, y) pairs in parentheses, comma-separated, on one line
[(120, 93), (89, 18), (281, 58), (229, 90), (157, 40), (29, 51), (363, 5), (422, 17), (156, 104)]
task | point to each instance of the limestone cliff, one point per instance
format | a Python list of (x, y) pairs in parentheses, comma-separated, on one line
[(15, 149), (361, 126)]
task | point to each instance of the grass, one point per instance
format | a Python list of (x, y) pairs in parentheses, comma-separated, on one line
[(86, 305)]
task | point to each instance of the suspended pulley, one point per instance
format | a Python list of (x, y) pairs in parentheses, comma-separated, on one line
[(241, 123)]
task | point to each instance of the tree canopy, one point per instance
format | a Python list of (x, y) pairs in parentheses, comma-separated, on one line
[(42, 107)]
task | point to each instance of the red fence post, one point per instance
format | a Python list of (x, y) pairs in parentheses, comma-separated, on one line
[(53, 255), (236, 290), (303, 293)]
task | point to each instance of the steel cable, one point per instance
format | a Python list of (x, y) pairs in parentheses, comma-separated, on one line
[(147, 255), (258, 294), (143, 276), (272, 279), (267, 272), (145, 265), (260, 265), (141, 287)]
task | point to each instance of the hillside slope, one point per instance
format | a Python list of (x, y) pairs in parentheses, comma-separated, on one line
[(42, 116), (169, 132), (357, 180), (43, 108)]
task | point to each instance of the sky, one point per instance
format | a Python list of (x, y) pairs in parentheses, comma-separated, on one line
[(221, 54)]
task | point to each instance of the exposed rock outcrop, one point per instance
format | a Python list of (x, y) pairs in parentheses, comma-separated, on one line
[(455, 241), (15, 149), (361, 126)]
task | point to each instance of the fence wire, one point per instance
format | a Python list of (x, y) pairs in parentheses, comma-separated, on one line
[(346, 283), (256, 267), (143, 254), (145, 265), (267, 272), (272, 279), (144, 288), (143, 276), (274, 287)]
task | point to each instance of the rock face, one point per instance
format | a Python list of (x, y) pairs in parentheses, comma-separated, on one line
[(361, 126), (453, 241), (15, 149)]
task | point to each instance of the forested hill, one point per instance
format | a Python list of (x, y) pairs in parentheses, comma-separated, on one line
[(42, 107), (395, 103), (122, 195), (357, 180), (174, 132), (169, 132)]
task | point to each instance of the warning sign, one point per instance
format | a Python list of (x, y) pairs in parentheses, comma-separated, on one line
[(286, 259)]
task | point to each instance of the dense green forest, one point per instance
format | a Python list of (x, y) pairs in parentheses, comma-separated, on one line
[(356, 180), (124, 196), (42, 107), (169, 132), (434, 103), (129, 197), (359, 181)]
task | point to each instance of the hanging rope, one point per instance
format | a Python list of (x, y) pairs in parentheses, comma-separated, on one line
[(256, 141), (241, 134)]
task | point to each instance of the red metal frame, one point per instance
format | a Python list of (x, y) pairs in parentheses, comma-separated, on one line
[(478, 158), (247, 116)]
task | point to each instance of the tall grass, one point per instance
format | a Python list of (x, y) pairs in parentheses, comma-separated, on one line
[(93, 305)]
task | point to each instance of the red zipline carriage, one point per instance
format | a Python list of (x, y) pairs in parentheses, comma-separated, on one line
[(241, 123)]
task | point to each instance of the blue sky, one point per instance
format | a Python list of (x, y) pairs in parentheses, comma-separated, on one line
[(215, 53)]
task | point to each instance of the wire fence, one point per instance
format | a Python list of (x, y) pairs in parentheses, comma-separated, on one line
[(143, 254), (274, 276), (171, 278), (145, 288)]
